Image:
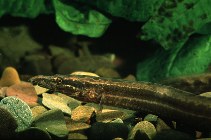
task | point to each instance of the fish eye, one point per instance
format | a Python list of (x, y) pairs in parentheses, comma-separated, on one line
[(58, 80)]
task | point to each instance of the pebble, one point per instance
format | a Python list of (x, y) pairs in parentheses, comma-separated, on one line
[(82, 113), (3, 92), (107, 131), (108, 115), (25, 91), (71, 102), (206, 94), (104, 108), (53, 101), (40, 90), (130, 77), (144, 129), (172, 135), (33, 133), (9, 77), (84, 73), (73, 126), (20, 111), (38, 110), (77, 136), (117, 120), (53, 122), (161, 125), (8, 124), (150, 118), (107, 72)]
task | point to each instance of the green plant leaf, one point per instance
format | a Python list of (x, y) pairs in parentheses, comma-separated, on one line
[(23, 8), (192, 58), (175, 21), (133, 10), (80, 20)]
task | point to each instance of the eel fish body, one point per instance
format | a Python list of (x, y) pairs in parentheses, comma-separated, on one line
[(164, 101)]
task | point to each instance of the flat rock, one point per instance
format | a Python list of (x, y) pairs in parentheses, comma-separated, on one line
[(76, 126), (161, 125), (9, 77), (108, 115), (172, 135), (77, 136), (20, 111), (25, 91), (107, 131), (53, 101), (71, 102), (40, 90), (143, 129), (3, 92), (33, 133), (38, 110), (52, 121), (82, 113)]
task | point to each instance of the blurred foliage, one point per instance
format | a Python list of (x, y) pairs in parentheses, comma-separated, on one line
[(168, 22), (194, 58)]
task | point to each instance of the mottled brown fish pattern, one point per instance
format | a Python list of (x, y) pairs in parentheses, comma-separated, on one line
[(164, 101)]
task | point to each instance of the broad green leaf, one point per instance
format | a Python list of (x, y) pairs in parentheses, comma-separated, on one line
[(175, 21), (24, 8), (192, 58), (80, 20), (133, 10)]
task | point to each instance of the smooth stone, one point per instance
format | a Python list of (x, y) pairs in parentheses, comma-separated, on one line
[(118, 120), (161, 125), (9, 77), (206, 94), (38, 110), (77, 136), (25, 91), (144, 129), (130, 77), (84, 73), (8, 124), (76, 126), (108, 115), (53, 101), (71, 102), (73, 126), (107, 72), (172, 135), (20, 111), (40, 90), (107, 131), (3, 92), (82, 113), (150, 118), (103, 108), (53, 122), (33, 133)]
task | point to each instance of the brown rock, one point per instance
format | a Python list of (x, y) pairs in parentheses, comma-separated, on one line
[(37, 110), (76, 126), (9, 77), (107, 72), (82, 113), (53, 101), (3, 92), (25, 91)]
